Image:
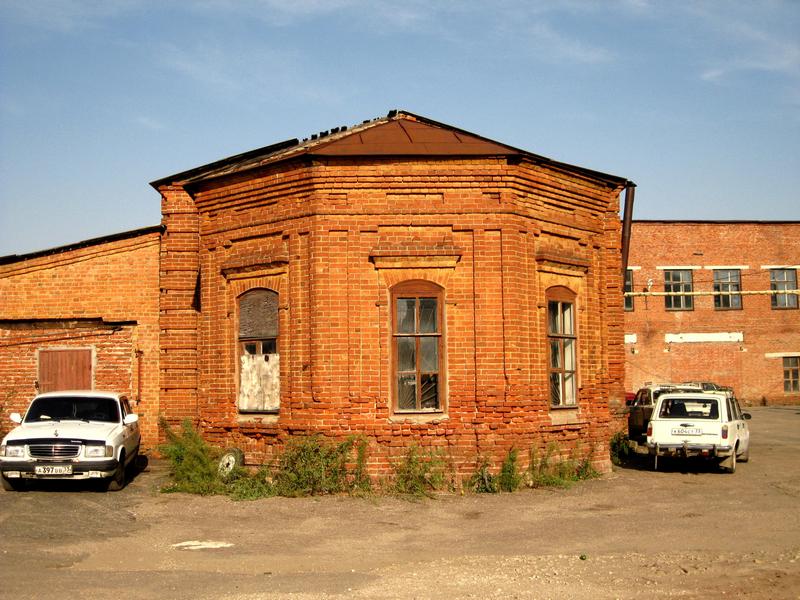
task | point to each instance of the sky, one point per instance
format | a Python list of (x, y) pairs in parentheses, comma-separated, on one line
[(696, 102)]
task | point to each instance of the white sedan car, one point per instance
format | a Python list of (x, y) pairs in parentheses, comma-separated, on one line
[(71, 435)]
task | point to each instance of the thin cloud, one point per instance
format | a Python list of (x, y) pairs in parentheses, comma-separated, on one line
[(67, 16), (553, 45), (750, 48), (149, 123)]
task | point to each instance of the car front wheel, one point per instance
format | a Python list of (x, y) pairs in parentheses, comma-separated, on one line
[(11, 486), (118, 480)]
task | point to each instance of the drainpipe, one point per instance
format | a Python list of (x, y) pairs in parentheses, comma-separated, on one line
[(627, 217)]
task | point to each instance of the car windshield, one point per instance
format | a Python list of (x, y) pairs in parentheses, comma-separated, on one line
[(695, 408), (73, 408)]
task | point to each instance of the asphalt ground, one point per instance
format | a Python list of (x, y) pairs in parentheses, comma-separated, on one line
[(686, 531)]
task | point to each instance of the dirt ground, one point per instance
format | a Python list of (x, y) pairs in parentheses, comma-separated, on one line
[(685, 532)]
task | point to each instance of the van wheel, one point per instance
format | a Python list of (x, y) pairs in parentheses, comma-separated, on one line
[(729, 464), (117, 481), (745, 456)]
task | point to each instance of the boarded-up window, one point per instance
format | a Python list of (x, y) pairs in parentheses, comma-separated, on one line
[(259, 361), (68, 369)]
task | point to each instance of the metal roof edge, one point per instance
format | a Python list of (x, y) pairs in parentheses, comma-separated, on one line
[(308, 146), (534, 157), (12, 258)]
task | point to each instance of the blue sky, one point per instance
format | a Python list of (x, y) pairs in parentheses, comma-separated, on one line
[(697, 102)]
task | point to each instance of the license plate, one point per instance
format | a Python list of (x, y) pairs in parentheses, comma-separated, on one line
[(53, 469), (686, 431)]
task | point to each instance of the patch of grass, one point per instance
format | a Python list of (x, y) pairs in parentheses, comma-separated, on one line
[(418, 473), (308, 466), (619, 448), (548, 471), (251, 486)]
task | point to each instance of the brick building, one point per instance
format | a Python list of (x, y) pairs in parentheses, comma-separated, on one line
[(402, 279), (732, 321), (83, 316)]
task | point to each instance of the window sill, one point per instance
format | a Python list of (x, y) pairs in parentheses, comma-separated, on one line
[(262, 417), (418, 417)]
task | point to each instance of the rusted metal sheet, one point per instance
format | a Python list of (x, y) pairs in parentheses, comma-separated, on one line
[(411, 138)]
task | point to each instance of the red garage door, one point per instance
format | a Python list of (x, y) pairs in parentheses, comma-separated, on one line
[(65, 370)]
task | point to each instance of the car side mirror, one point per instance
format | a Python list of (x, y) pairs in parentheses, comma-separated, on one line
[(747, 416), (16, 417), (130, 419)]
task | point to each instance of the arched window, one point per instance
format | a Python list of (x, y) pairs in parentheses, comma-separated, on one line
[(562, 341), (417, 346), (259, 362)]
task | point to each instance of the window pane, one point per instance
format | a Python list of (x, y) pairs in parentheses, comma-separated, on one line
[(555, 354), (250, 348), (429, 355), (406, 354), (628, 288), (569, 355), (407, 392), (405, 315), (553, 325), (568, 318), (427, 315), (677, 281), (781, 280), (569, 388), (268, 347), (555, 389), (429, 391)]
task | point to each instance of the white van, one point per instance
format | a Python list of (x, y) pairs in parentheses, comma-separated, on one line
[(705, 424)]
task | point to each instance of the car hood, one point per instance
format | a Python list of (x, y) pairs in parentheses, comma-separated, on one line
[(79, 430)]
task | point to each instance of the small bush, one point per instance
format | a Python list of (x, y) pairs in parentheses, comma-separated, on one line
[(418, 474), (310, 467), (193, 462), (620, 448), (482, 481), (510, 478)]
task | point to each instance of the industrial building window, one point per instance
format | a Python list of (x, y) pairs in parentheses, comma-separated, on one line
[(628, 289), (678, 282), (417, 346), (563, 347), (782, 280), (791, 374), (727, 284), (259, 361)]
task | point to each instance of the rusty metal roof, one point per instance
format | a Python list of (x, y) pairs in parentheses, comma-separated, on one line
[(400, 133)]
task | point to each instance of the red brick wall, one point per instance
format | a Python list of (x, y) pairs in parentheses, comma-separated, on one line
[(102, 297), (332, 236), (745, 366)]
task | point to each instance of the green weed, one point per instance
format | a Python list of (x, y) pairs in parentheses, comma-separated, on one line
[(418, 473), (482, 481), (619, 448)]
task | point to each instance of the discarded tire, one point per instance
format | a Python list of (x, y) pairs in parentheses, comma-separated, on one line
[(230, 459)]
